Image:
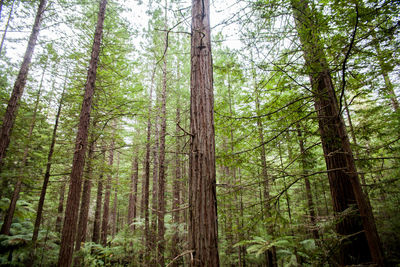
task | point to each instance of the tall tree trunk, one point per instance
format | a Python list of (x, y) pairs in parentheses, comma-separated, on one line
[(106, 205), (7, 25), (114, 211), (154, 201), (13, 103), (48, 168), (176, 189), (133, 192), (71, 212), (161, 176), (97, 215), (85, 202), (60, 208), (203, 225), (146, 178), (5, 228), (305, 167), (363, 240)]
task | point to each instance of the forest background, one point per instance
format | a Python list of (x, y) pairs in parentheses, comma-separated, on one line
[(275, 202)]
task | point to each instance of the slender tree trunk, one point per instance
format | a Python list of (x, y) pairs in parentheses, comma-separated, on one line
[(154, 201), (176, 189), (48, 168), (85, 202), (13, 103), (146, 178), (114, 211), (60, 207), (305, 166), (203, 225), (71, 212), (106, 205), (7, 25), (363, 240), (97, 214), (133, 192), (5, 228), (161, 176), (1, 7)]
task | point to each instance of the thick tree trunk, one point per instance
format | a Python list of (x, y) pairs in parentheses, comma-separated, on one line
[(7, 25), (71, 212), (47, 173), (60, 207), (5, 228), (13, 103), (203, 225), (363, 240), (106, 205), (133, 192)]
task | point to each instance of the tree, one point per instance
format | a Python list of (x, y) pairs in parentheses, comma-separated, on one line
[(71, 212), (343, 178), (19, 85), (203, 232)]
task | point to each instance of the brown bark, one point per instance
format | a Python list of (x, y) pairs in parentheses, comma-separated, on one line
[(5, 228), (133, 192), (154, 201), (146, 178), (114, 211), (203, 225), (71, 212), (7, 25), (97, 214), (176, 190), (85, 202), (48, 168), (60, 207), (363, 241), (161, 161), (13, 103), (106, 205)]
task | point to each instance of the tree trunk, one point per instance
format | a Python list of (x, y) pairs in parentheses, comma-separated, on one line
[(85, 202), (7, 25), (48, 168), (133, 192), (13, 103), (305, 167), (60, 207), (5, 228), (114, 211), (154, 201), (106, 205), (363, 240), (203, 225), (161, 176), (176, 189), (97, 214), (71, 212)]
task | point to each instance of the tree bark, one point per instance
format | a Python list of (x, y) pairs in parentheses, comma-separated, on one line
[(97, 214), (5, 228), (106, 205), (71, 212), (114, 211), (13, 103), (133, 192), (85, 202), (153, 239), (48, 168), (362, 237), (60, 207), (203, 225)]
